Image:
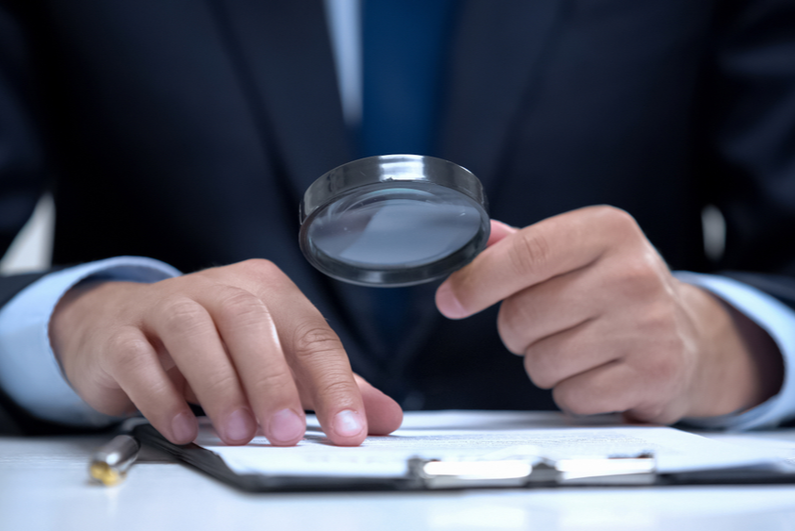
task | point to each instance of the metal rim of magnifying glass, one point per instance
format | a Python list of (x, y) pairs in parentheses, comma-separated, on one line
[(364, 175)]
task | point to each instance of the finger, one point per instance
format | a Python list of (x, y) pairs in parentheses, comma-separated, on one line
[(249, 333), (560, 356), (318, 360), (618, 387), (189, 335), (384, 415), (608, 388), (137, 370), (534, 254), (548, 308), (314, 353), (499, 231)]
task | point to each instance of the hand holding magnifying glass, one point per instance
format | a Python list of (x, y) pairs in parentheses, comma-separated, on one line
[(585, 297)]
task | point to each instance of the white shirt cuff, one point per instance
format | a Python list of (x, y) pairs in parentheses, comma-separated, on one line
[(29, 371), (778, 320)]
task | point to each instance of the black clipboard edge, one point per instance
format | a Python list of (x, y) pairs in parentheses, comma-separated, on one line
[(728, 476), (214, 466)]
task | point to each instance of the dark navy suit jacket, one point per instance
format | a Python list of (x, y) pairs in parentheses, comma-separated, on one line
[(187, 130)]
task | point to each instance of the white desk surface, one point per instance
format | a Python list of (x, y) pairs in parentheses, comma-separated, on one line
[(44, 486)]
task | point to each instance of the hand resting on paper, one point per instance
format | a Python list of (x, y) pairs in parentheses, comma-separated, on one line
[(598, 317), (241, 340)]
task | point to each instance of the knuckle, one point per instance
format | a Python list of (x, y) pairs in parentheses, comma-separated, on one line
[(239, 308), (274, 379), (128, 350), (311, 340), (638, 275), (530, 252), (639, 278), (337, 388), (181, 315), (220, 384), (260, 268), (617, 219)]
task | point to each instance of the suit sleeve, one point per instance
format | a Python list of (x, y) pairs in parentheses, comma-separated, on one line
[(752, 104), (23, 169), (778, 320), (29, 371)]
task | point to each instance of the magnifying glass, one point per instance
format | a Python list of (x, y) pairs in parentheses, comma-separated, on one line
[(393, 220)]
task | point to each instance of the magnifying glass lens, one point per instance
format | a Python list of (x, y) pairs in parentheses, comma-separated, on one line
[(395, 232), (396, 228)]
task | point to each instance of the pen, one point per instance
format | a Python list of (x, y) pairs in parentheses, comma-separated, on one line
[(110, 463)]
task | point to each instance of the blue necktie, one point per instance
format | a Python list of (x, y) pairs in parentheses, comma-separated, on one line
[(404, 55), (404, 52)]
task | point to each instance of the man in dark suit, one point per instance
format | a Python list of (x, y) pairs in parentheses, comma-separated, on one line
[(187, 132)]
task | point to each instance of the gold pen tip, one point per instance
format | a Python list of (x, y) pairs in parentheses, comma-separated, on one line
[(105, 474)]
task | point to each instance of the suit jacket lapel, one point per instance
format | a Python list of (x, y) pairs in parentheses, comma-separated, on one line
[(498, 55), (285, 56)]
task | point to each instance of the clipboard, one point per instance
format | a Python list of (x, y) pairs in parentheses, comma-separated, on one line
[(424, 474)]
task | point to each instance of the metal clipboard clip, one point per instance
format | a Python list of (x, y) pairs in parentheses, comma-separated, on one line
[(536, 472)]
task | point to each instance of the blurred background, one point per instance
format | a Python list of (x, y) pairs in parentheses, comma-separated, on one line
[(32, 248)]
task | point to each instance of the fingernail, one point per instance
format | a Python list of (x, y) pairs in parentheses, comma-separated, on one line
[(239, 425), (447, 302), (184, 427), (348, 423), (286, 426)]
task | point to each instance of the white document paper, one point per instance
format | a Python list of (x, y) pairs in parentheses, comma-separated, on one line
[(483, 436)]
